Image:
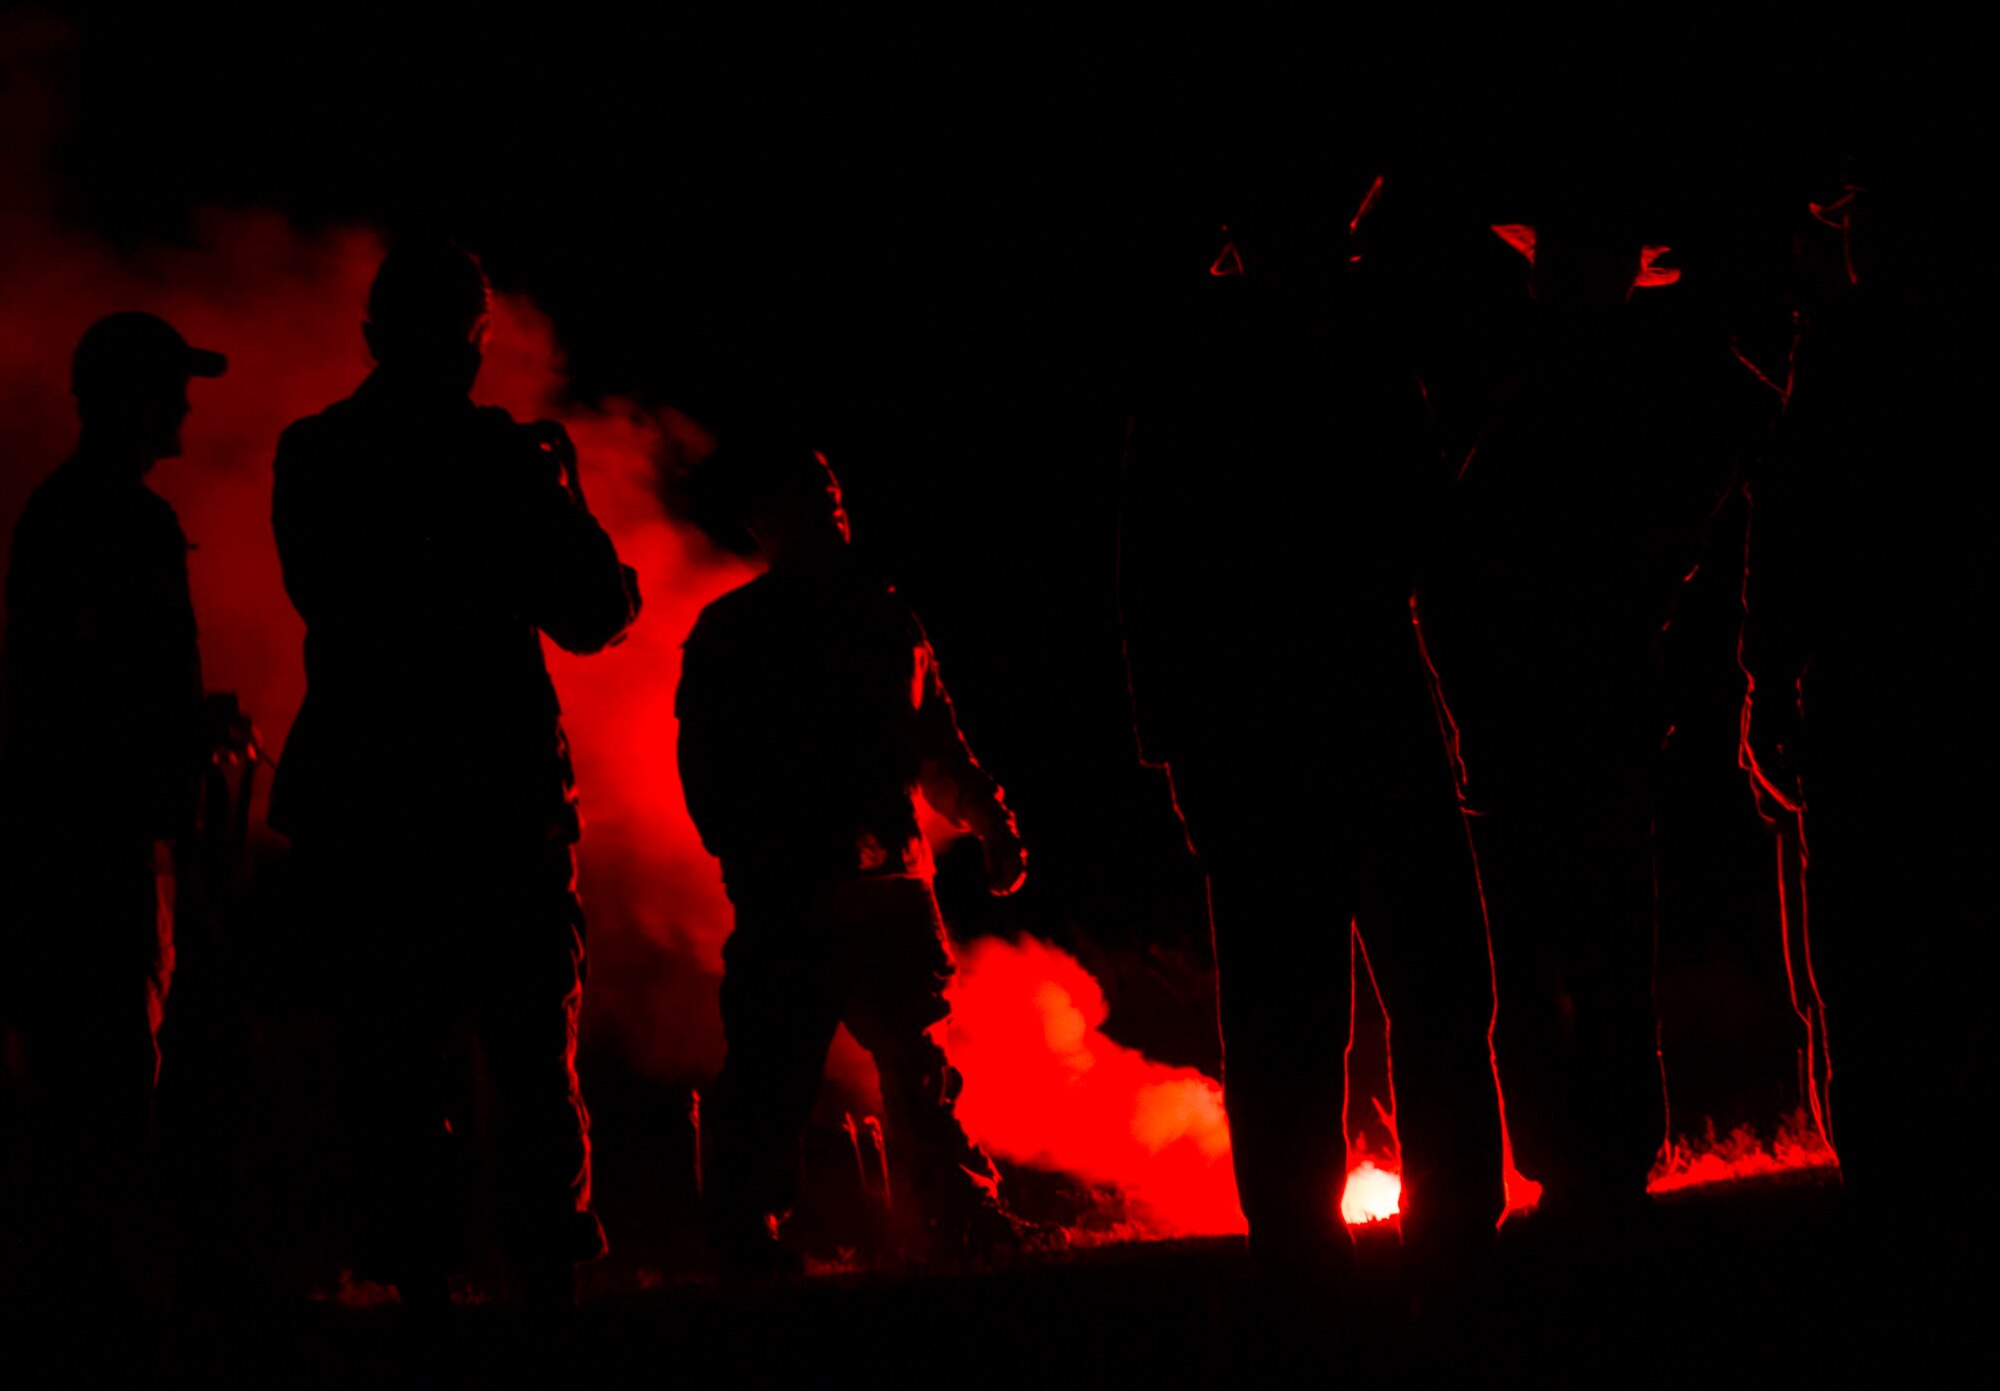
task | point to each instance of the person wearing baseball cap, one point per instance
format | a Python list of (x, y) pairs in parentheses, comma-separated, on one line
[(99, 768), (129, 377)]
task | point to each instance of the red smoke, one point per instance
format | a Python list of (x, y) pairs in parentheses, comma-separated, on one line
[(286, 307), (1742, 1154), (1045, 1087)]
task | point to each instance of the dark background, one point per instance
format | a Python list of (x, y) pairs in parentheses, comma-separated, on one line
[(961, 253), (957, 251)]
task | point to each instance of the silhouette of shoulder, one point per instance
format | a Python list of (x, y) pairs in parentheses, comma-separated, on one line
[(366, 413), (770, 602), (74, 518)]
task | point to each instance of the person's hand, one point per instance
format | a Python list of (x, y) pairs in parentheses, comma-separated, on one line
[(632, 597), (226, 732), (1772, 740), (1006, 860), (553, 441)]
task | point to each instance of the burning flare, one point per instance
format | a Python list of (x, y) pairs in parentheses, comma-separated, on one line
[(1046, 1087)]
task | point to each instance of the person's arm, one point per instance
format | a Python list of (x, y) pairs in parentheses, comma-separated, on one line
[(1778, 635), (954, 784), (174, 681), (1157, 552), (296, 519), (132, 666), (578, 591), (703, 706)]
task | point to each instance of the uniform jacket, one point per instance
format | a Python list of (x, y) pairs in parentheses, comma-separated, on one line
[(428, 544), (103, 670), (811, 712)]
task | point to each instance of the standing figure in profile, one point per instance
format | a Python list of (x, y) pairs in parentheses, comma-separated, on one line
[(430, 544), (99, 761), (1870, 605), (811, 715), (1582, 508), (1288, 696)]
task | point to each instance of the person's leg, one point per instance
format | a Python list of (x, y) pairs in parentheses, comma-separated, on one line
[(374, 910), (529, 981), (1280, 910), (1900, 921), (1615, 1123), (779, 1013), (1571, 897), (1283, 980), (1425, 927), (1530, 1025), (88, 1035), (895, 967)]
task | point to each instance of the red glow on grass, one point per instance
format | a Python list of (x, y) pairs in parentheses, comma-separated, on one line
[(1047, 1088), (1797, 1146)]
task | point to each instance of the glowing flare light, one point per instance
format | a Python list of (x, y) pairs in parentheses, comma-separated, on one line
[(1046, 1087), (1370, 1195)]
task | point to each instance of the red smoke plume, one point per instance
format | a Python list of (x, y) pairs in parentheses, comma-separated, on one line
[(286, 307), (1045, 1087)]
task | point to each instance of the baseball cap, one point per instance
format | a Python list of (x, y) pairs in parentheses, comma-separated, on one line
[(124, 348)]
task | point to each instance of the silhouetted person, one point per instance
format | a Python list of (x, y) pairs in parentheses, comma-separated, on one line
[(1576, 518), (1871, 608), (1279, 484), (1733, 1048), (102, 751), (430, 544), (811, 715)]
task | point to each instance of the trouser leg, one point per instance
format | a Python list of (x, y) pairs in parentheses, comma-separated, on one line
[(399, 1051), (1861, 941), (1901, 914), (1283, 978), (1425, 927), (88, 1032), (529, 977), (895, 969), (1571, 897), (385, 925), (779, 1013), (1901, 919)]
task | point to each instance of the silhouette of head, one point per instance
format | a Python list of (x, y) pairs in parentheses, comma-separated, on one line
[(1286, 246), (788, 498), (429, 315), (1907, 228), (129, 377)]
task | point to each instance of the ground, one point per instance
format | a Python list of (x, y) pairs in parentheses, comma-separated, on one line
[(1748, 1282)]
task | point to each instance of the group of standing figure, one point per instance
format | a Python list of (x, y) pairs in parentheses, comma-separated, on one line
[(811, 714), (1405, 678), (1398, 631)]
